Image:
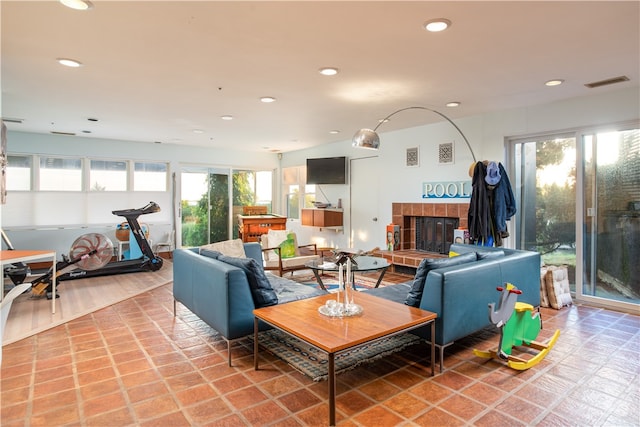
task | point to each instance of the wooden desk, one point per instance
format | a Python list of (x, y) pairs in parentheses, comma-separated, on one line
[(380, 318), (251, 227), (14, 256)]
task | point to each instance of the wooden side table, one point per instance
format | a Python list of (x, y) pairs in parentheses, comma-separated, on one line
[(323, 249)]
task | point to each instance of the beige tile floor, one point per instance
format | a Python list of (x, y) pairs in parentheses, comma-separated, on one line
[(135, 364)]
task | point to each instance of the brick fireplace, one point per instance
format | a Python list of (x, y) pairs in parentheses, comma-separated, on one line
[(405, 214)]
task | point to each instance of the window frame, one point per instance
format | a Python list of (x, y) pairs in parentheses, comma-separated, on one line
[(35, 173)]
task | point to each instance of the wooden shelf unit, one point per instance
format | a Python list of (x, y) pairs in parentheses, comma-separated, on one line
[(322, 218)]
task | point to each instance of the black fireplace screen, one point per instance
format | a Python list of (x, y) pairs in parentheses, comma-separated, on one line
[(435, 234)]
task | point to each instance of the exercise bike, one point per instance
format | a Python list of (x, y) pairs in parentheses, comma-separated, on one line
[(90, 255)]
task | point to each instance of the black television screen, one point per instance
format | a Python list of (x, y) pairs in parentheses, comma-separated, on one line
[(327, 170)]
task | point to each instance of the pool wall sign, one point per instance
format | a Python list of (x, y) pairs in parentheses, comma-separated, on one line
[(446, 190)]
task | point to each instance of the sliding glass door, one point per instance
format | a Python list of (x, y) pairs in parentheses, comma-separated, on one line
[(544, 181), (578, 198), (250, 188), (204, 206), (212, 198), (611, 170)]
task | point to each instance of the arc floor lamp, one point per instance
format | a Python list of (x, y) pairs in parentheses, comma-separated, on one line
[(369, 138)]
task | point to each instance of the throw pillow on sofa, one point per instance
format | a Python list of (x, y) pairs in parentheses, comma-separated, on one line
[(288, 247), (273, 240), (261, 290), (234, 248), (426, 265)]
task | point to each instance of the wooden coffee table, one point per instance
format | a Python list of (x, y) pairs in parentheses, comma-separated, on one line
[(380, 318)]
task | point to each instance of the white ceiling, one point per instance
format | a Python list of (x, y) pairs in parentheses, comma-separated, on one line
[(157, 70)]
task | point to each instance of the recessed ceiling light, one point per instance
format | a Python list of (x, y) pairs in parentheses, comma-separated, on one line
[(227, 117), (198, 131), (328, 71), (77, 4), (554, 82), (267, 99), (334, 132), (453, 104), (437, 25), (67, 62)]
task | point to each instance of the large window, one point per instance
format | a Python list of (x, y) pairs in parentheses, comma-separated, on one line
[(78, 174), (19, 173), (148, 176), (60, 174), (264, 189), (297, 193), (106, 175)]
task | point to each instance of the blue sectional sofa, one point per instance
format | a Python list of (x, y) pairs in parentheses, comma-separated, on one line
[(460, 294), (222, 290)]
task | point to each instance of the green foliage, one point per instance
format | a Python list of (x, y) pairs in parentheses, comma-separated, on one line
[(555, 205), (551, 152), (555, 218), (194, 226), (202, 225)]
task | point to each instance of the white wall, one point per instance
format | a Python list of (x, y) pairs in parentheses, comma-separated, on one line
[(486, 134)]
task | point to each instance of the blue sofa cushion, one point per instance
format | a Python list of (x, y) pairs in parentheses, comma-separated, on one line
[(426, 265), (288, 290), (397, 293), (490, 255), (261, 290), (210, 253)]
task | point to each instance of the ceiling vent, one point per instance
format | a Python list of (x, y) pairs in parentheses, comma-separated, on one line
[(413, 157), (63, 133), (607, 82), (445, 153), (11, 120)]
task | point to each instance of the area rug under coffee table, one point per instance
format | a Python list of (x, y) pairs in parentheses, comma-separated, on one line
[(313, 362)]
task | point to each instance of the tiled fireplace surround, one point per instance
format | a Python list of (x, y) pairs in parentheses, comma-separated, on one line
[(404, 214)]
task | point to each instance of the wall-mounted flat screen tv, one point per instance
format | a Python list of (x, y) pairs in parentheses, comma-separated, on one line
[(327, 170)]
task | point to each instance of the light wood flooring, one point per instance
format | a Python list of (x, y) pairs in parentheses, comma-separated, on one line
[(30, 315)]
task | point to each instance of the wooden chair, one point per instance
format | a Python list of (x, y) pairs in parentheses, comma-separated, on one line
[(281, 252), (167, 244)]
